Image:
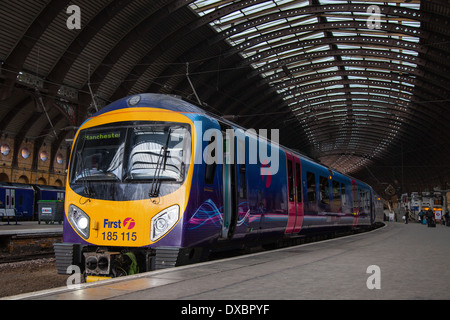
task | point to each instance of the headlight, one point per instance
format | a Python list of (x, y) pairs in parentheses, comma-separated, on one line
[(79, 220), (164, 221)]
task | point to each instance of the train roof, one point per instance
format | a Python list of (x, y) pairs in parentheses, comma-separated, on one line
[(152, 100), (15, 185), (42, 187)]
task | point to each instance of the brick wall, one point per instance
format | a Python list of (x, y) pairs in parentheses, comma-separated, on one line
[(24, 173)]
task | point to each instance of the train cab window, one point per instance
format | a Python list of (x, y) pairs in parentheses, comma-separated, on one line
[(131, 152), (291, 181), (311, 186), (324, 190), (146, 157)]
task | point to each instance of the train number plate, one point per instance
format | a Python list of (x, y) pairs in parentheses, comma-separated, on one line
[(119, 236)]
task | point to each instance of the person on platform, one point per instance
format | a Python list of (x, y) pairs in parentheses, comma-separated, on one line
[(406, 216), (421, 215), (430, 218)]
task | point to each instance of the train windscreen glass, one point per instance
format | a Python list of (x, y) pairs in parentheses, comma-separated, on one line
[(132, 153), (160, 151)]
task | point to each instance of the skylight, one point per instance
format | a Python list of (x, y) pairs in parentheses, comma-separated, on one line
[(302, 51)]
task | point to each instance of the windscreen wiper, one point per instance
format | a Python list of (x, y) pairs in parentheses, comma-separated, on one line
[(82, 169), (160, 166), (83, 178)]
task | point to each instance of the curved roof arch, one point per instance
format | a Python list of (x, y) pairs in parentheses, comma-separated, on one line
[(319, 70)]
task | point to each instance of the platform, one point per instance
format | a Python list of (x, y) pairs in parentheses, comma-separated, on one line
[(29, 227), (413, 263)]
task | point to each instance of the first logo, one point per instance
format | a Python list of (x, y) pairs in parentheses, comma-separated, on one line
[(129, 222)]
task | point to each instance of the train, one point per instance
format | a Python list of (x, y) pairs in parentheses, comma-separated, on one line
[(20, 201), (155, 181)]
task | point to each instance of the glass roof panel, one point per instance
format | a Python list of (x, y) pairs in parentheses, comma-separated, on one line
[(303, 53)]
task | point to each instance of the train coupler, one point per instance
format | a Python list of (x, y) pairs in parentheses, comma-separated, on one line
[(110, 264)]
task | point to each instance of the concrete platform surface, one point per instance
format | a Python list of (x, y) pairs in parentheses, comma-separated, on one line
[(405, 261), (29, 227)]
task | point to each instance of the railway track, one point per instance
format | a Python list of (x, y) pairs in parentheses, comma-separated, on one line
[(24, 247), (28, 257)]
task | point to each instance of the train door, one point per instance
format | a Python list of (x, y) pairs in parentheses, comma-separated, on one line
[(372, 206), (229, 185), (355, 197), (10, 202), (243, 209), (295, 204)]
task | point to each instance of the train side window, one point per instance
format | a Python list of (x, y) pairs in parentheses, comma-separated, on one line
[(324, 190), (291, 181), (299, 182), (343, 195), (364, 201), (337, 202), (242, 181), (311, 186), (361, 200), (210, 169)]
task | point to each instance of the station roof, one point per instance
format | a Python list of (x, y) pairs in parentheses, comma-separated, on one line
[(362, 86)]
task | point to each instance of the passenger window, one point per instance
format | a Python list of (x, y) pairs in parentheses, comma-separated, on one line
[(242, 181), (299, 182), (311, 186), (290, 181), (337, 203), (324, 190), (210, 169), (343, 196), (362, 199), (364, 204)]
